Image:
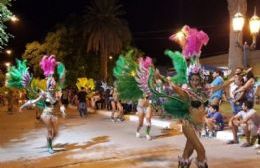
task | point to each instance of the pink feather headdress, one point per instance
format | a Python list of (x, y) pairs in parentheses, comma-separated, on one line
[(191, 41), (143, 74), (145, 62), (48, 64)]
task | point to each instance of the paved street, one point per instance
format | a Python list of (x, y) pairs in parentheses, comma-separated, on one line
[(97, 142)]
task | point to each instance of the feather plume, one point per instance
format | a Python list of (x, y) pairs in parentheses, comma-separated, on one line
[(125, 73), (191, 41), (143, 74), (48, 64), (18, 76), (180, 66)]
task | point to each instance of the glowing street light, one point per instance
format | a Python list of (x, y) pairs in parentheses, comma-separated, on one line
[(254, 25), (7, 64), (14, 18), (110, 57), (8, 52), (238, 22)]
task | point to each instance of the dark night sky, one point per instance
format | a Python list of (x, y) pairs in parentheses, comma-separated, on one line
[(150, 21)]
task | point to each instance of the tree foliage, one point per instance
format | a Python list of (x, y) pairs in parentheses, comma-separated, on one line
[(105, 32), (5, 15), (84, 44), (33, 54), (2, 79), (66, 44)]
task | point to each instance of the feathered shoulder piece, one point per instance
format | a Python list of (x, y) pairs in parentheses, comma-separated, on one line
[(180, 66), (61, 71), (18, 76), (85, 83), (125, 73), (142, 76)]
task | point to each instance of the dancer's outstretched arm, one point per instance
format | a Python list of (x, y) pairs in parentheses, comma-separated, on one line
[(178, 90), (30, 102), (246, 86), (229, 81)]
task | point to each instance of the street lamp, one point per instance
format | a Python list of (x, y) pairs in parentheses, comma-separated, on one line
[(8, 52), (14, 18), (254, 25), (238, 22), (7, 64)]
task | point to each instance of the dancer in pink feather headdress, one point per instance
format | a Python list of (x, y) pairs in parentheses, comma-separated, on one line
[(144, 108), (47, 97), (191, 41)]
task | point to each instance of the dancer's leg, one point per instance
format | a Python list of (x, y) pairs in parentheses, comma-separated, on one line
[(140, 123), (113, 104), (148, 118), (188, 150), (47, 121), (189, 132), (54, 125), (121, 111), (185, 160)]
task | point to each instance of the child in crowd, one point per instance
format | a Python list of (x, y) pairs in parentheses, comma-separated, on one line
[(213, 121)]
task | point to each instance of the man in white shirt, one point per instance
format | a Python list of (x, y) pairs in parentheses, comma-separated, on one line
[(249, 121), (236, 107)]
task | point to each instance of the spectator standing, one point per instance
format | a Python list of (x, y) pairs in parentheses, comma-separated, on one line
[(218, 81), (82, 104)]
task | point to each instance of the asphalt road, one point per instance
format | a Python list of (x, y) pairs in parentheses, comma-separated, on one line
[(97, 142)]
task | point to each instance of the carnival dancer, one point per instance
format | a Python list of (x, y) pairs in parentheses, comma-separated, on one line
[(144, 106), (116, 106), (19, 77), (193, 97), (144, 110), (189, 98)]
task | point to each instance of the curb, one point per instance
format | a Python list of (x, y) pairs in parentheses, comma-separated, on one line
[(221, 135), (134, 118), (224, 135)]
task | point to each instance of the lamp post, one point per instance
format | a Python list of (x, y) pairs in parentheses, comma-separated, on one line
[(238, 22)]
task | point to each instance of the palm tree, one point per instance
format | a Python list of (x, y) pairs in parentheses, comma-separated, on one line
[(106, 33), (235, 53)]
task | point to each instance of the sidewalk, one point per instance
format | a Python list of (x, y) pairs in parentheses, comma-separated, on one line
[(168, 124)]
